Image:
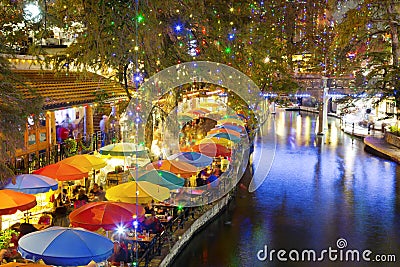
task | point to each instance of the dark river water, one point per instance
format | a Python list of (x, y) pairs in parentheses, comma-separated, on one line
[(323, 194)]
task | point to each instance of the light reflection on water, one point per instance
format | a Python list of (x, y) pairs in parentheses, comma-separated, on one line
[(319, 189)]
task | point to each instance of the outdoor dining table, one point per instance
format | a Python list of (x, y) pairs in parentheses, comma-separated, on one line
[(163, 218), (140, 238)]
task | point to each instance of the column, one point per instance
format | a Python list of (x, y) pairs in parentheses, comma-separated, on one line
[(88, 120), (52, 127)]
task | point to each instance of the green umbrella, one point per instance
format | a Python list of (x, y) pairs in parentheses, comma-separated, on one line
[(163, 178)]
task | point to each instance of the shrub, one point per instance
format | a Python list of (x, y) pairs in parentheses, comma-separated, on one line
[(394, 130), (5, 237)]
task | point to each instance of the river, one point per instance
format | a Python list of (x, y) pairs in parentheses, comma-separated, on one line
[(322, 193)]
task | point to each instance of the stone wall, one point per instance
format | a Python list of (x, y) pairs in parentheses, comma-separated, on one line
[(195, 227), (392, 139)]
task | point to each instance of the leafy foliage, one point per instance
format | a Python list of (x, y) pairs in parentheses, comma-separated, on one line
[(15, 107)]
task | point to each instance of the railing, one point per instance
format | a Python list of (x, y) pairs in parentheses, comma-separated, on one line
[(359, 128), (155, 246)]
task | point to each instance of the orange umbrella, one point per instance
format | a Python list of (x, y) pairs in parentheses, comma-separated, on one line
[(223, 130), (211, 150), (11, 201), (86, 161), (63, 172), (105, 214), (180, 168)]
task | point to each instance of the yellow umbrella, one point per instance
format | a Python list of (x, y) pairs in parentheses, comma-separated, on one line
[(146, 191), (231, 120), (209, 105), (216, 140), (86, 161)]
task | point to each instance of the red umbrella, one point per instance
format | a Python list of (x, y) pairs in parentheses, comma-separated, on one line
[(105, 214), (211, 149), (63, 172), (11, 201)]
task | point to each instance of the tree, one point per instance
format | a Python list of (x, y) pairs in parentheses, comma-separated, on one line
[(368, 43), (138, 39), (17, 101)]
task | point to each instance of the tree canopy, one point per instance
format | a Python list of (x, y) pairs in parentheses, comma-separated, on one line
[(140, 38), (15, 108)]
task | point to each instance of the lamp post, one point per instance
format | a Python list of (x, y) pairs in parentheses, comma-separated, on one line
[(323, 108)]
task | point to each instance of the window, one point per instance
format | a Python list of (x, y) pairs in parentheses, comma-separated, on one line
[(32, 139)]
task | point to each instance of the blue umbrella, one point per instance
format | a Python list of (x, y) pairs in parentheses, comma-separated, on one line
[(163, 178), (228, 136), (63, 246), (32, 184), (197, 159)]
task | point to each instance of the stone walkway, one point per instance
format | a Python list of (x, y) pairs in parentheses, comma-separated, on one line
[(382, 148)]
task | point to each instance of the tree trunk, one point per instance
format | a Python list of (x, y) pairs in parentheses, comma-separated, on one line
[(125, 77)]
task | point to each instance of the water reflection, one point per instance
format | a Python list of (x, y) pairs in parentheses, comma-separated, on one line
[(320, 188)]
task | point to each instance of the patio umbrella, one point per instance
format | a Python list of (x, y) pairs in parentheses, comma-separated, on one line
[(123, 149), (32, 184), (11, 201), (223, 130), (63, 246), (236, 116), (209, 105), (182, 169), (211, 150), (105, 214), (146, 191), (197, 159), (86, 161), (185, 117), (228, 136), (235, 127), (63, 172), (232, 121), (215, 140), (163, 178)]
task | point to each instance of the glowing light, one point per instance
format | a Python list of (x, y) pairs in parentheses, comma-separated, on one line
[(178, 27), (32, 12), (135, 224), (228, 50), (120, 229), (140, 18)]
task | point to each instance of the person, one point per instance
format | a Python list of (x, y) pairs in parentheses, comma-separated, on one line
[(199, 180), (152, 224), (66, 121), (95, 191), (212, 180), (102, 194), (104, 129), (82, 199), (119, 254), (149, 207), (62, 199)]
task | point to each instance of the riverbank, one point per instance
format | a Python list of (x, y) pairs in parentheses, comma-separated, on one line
[(379, 147), (374, 140)]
